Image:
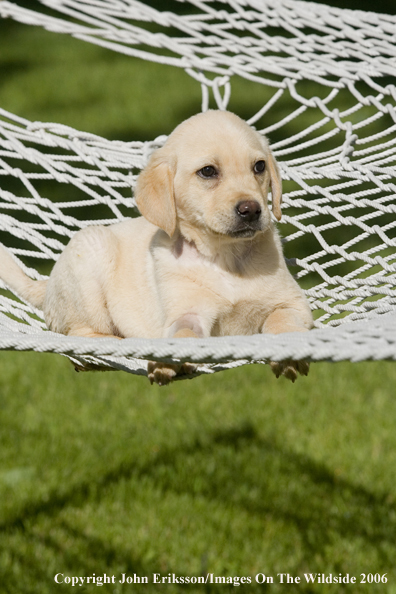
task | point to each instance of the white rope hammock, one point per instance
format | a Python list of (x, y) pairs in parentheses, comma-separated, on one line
[(334, 70)]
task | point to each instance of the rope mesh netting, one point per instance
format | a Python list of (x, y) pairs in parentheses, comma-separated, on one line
[(329, 108)]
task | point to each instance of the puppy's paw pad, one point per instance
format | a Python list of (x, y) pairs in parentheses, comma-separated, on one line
[(187, 369), (302, 367), (164, 373), (289, 368), (161, 373), (162, 377)]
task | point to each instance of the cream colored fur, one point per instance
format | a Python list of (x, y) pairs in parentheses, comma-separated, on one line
[(189, 267)]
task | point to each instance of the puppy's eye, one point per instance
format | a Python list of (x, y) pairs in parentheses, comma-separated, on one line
[(207, 172), (259, 167)]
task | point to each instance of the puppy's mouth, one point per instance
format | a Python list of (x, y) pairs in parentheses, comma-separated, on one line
[(245, 229), (239, 232), (246, 232)]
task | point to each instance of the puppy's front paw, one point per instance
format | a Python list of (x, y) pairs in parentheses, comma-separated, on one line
[(164, 373), (289, 368)]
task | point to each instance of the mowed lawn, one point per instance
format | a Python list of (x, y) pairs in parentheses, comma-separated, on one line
[(236, 474)]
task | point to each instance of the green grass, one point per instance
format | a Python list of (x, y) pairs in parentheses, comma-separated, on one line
[(84, 86), (92, 89), (235, 474)]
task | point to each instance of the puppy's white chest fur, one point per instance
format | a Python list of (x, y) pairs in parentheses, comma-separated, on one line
[(204, 270), (230, 292)]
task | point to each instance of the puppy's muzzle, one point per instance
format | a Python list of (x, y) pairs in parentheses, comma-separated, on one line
[(247, 219)]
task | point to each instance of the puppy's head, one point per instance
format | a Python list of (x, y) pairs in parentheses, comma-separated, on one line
[(213, 176)]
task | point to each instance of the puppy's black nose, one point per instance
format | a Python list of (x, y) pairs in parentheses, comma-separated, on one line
[(248, 210)]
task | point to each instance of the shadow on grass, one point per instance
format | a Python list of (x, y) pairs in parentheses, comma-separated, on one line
[(236, 467)]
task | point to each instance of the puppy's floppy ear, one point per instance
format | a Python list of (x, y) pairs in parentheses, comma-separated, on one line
[(276, 186), (154, 193), (275, 177)]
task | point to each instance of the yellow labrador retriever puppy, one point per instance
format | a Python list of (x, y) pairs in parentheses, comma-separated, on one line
[(204, 259)]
